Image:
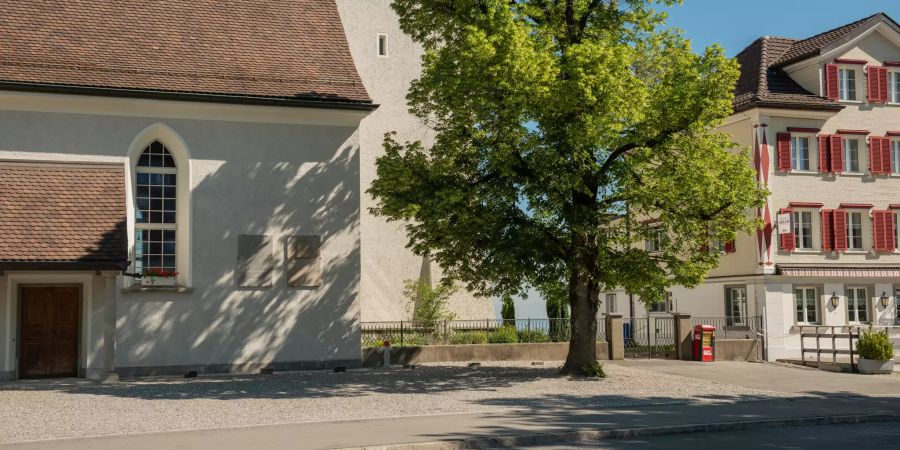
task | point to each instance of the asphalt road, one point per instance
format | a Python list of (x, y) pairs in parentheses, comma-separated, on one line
[(881, 435)]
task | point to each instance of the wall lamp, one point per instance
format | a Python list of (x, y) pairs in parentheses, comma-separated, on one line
[(885, 300), (835, 299)]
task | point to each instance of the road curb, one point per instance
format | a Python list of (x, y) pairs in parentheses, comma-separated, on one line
[(589, 436)]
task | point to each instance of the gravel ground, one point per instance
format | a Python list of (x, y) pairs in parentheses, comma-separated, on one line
[(33, 410)]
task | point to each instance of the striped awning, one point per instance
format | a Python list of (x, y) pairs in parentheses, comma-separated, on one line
[(840, 272)]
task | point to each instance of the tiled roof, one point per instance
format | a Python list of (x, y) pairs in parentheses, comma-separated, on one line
[(287, 50), (760, 85), (763, 83), (62, 213), (813, 45)]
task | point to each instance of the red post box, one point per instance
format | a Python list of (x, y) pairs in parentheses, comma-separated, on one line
[(704, 343)]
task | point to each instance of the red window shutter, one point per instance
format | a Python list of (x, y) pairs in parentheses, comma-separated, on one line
[(872, 84), (875, 164), (883, 84), (784, 151), (824, 159), (787, 239), (837, 154), (729, 247), (877, 231), (886, 155), (827, 230), (889, 242), (831, 81), (840, 230)]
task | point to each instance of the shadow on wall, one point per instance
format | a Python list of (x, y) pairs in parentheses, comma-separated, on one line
[(305, 188)]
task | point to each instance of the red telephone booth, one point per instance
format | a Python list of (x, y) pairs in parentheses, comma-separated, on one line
[(705, 343)]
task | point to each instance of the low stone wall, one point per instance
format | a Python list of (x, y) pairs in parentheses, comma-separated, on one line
[(738, 350), (551, 351)]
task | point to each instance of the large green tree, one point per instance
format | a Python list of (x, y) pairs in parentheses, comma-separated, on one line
[(566, 133)]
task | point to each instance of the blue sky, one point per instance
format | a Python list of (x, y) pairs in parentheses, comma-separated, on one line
[(736, 23)]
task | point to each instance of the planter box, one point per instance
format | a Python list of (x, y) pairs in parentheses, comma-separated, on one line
[(875, 366), (159, 281)]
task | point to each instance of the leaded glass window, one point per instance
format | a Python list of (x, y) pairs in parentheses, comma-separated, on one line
[(155, 209)]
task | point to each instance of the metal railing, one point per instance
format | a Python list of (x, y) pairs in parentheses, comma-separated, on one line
[(732, 327), (405, 333)]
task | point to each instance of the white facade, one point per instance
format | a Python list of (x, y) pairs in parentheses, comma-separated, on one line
[(777, 281), (371, 25)]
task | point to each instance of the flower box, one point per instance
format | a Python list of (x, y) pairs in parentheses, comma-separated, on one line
[(159, 281), (159, 277)]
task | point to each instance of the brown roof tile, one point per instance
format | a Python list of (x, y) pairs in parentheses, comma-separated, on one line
[(763, 83), (267, 49), (60, 213), (812, 46)]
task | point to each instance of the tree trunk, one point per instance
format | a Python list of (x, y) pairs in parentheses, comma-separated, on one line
[(584, 294)]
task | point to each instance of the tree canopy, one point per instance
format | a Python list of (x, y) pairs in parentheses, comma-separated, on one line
[(566, 133)]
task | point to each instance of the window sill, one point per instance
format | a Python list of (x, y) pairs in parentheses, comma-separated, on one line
[(161, 289), (804, 172), (852, 174)]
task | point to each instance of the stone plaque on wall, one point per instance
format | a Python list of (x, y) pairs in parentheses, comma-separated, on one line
[(256, 261), (304, 267)]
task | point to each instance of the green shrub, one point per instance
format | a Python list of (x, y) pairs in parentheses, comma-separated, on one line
[(469, 337), (533, 336), (504, 335), (875, 345)]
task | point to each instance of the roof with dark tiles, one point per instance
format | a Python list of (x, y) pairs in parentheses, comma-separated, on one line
[(62, 213), (288, 50), (763, 82)]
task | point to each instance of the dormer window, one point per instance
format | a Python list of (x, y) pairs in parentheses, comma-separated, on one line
[(847, 84)]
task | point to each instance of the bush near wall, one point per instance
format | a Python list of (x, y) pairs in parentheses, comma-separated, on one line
[(504, 335)]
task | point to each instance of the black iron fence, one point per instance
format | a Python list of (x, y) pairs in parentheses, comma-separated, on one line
[(649, 337), (487, 331), (732, 327)]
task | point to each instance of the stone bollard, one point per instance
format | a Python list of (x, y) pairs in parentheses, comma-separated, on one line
[(615, 337), (683, 350)]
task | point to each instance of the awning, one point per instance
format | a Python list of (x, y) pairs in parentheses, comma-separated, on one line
[(840, 272), (62, 216)]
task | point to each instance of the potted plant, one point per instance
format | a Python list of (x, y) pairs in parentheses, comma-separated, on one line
[(876, 352), (159, 277)]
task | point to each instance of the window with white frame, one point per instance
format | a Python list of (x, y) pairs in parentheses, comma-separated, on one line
[(894, 86), (806, 303), (851, 155), (736, 305), (847, 83), (857, 305), (895, 157), (800, 153), (656, 241), (803, 229), (854, 231), (155, 206), (664, 306), (896, 233), (610, 303)]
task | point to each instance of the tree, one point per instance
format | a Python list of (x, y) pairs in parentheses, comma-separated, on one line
[(556, 298), (566, 133), (428, 305), (508, 309)]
